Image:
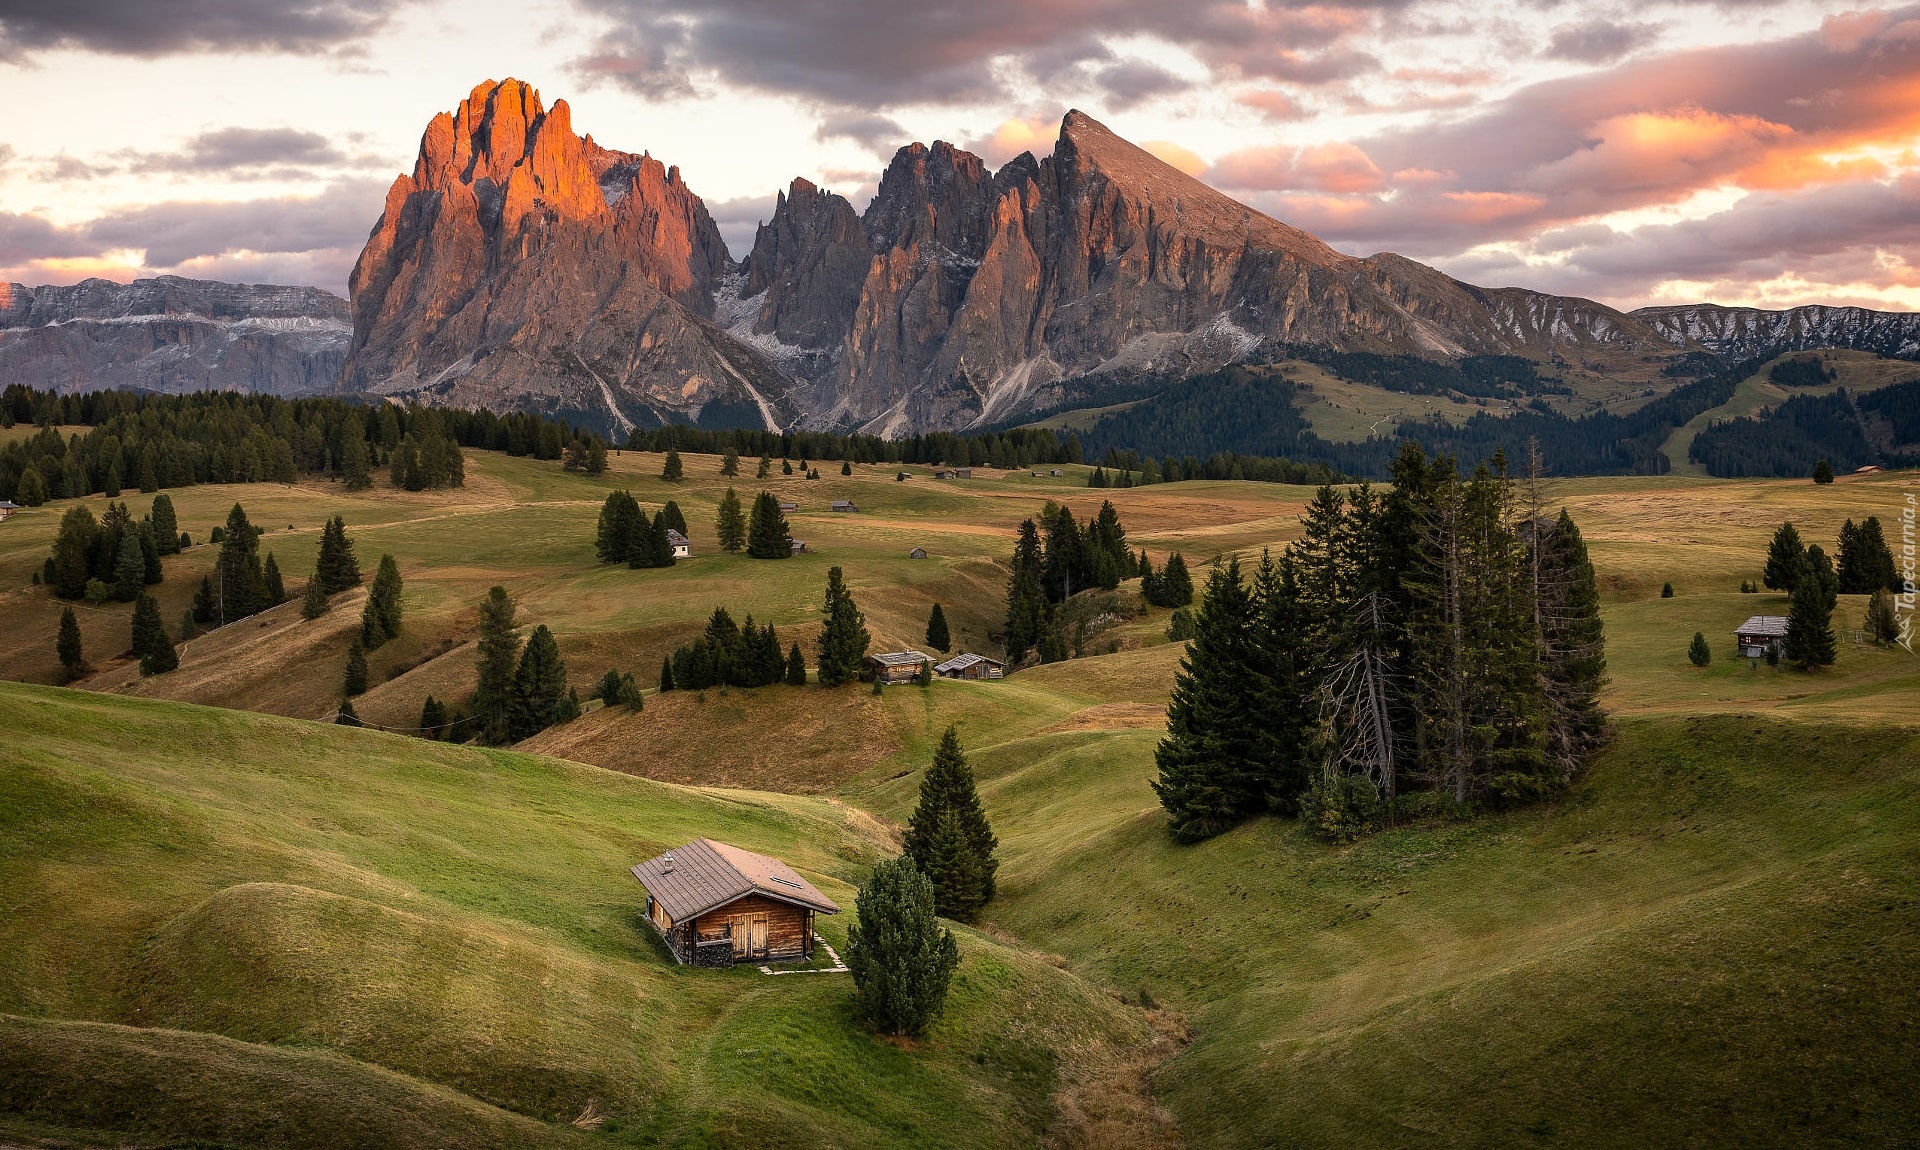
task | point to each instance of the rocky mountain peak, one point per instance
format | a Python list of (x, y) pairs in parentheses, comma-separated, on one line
[(936, 194)]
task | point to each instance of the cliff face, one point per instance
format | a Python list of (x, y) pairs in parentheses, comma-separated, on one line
[(522, 266), (1742, 332), (172, 335)]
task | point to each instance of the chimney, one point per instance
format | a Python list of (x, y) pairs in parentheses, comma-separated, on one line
[(668, 860)]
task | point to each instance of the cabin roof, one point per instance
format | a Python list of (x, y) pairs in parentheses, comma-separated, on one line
[(843, 505), (899, 659), (9, 505), (964, 660), (704, 874), (675, 538), (1765, 626)]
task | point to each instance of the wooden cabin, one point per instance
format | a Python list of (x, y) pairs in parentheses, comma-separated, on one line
[(1758, 633), (717, 904), (917, 553), (970, 666), (844, 505), (797, 546), (896, 666), (682, 546), (1869, 469), (1056, 473), (789, 507), (8, 509)]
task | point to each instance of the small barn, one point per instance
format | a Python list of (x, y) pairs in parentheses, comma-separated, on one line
[(896, 666), (789, 507), (8, 508), (717, 904), (1056, 473), (917, 553), (797, 547), (1758, 633), (1869, 469), (844, 505), (969, 666), (682, 546)]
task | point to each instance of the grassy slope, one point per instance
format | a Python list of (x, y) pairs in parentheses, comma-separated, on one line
[(449, 920)]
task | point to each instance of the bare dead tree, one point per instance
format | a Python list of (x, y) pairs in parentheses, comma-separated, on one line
[(1355, 702)]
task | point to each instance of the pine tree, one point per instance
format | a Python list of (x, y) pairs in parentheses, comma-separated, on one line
[(1883, 622), (380, 620), (596, 456), (900, 956), (937, 636), (731, 522), (672, 470), (1865, 561), (1666, 590), (356, 463), (73, 660), (948, 836), (315, 603), (1784, 556), (129, 568), (666, 675), (355, 682), (1210, 776), (620, 524), (1698, 653), (73, 552), (166, 526), (1172, 586), (241, 585), (346, 716), (150, 640), (843, 635), (786, 467), (433, 718), (659, 546), (1028, 612), (1823, 472), (337, 569), (675, 520), (766, 467), (730, 463), (276, 586), (1809, 642), (767, 534), (846, 468), (1824, 575), (1573, 656), (796, 668), (539, 686), (499, 654)]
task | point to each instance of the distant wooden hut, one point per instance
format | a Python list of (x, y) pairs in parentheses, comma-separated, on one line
[(797, 547), (8, 509), (1869, 469), (844, 505), (917, 553), (682, 546), (896, 666), (969, 666), (789, 507), (1760, 632), (717, 904)]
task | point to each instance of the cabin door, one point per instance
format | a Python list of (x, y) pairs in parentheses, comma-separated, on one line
[(749, 934)]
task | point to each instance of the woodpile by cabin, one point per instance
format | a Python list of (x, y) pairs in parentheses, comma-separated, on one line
[(715, 904)]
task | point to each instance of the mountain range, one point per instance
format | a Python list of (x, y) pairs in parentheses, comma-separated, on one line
[(522, 266)]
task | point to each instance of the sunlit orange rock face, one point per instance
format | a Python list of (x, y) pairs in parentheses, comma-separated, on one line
[(522, 266)]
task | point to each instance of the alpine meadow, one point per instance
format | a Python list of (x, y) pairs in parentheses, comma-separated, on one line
[(1240, 595)]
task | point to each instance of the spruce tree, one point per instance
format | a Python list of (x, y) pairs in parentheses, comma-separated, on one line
[(499, 655), (73, 552), (1784, 557), (1573, 658), (796, 668), (641, 551), (1698, 653), (1173, 583), (315, 602), (150, 640), (596, 456), (1809, 642), (948, 836), (337, 569), (346, 716), (1865, 561), (620, 522), (900, 956), (1666, 590), (1883, 622), (937, 636), (731, 523), (666, 675), (730, 463), (767, 534), (607, 690), (539, 686), (241, 584), (1210, 773), (73, 660), (149, 555), (380, 620), (275, 584), (676, 520), (843, 635), (1823, 472), (846, 468), (766, 467), (659, 546), (129, 568), (1028, 612), (1823, 574), (355, 681), (356, 463), (433, 718), (672, 470), (166, 526)]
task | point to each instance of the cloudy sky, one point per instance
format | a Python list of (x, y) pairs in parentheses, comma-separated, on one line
[(1743, 151)]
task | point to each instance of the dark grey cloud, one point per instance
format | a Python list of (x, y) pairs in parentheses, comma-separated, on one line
[(26, 237), (228, 148), (880, 54), (882, 133), (162, 27), (1598, 41), (1132, 81)]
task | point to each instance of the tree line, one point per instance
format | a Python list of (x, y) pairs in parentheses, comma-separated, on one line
[(1814, 584), (1056, 559), (729, 654), (1436, 645)]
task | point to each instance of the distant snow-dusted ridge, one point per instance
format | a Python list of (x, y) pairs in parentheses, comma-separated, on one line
[(173, 335)]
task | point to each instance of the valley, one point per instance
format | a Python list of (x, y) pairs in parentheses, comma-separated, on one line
[(1711, 940)]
